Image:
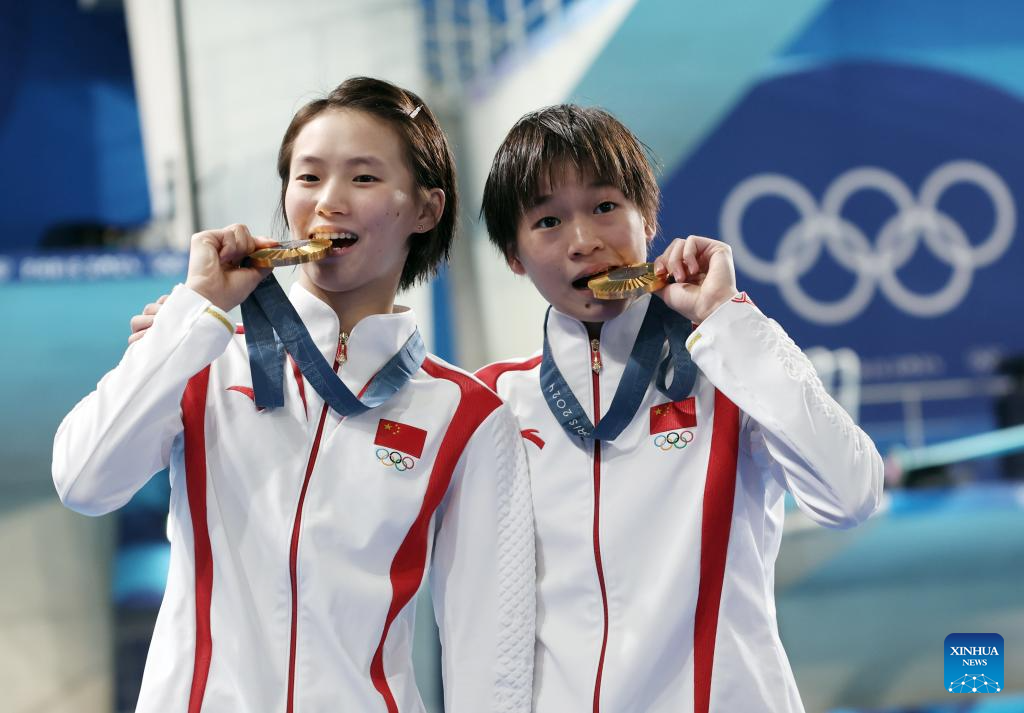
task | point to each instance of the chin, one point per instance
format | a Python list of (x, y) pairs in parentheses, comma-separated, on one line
[(594, 310), (330, 280)]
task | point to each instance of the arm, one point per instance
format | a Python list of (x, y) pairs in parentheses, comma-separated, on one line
[(829, 464), (483, 575), (118, 436)]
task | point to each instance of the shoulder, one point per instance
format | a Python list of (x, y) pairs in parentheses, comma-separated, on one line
[(473, 392), (490, 374)]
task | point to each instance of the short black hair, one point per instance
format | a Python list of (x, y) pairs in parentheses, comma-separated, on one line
[(427, 151), (544, 142)]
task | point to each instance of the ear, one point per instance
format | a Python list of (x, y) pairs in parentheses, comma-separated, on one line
[(649, 231), (515, 265), (431, 210)]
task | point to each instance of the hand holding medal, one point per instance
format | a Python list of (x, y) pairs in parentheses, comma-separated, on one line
[(693, 275), (226, 265), (213, 265), (704, 276)]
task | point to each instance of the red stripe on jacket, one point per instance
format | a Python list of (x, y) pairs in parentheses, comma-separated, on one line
[(716, 522), (193, 407), (490, 374), (475, 404)]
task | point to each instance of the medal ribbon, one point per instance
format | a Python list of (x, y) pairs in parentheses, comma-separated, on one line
[(272, 326), (660, 323)]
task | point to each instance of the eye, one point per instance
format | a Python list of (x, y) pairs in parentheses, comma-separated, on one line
[(307, 178), (605, 207), (365, 178), (547, 221)]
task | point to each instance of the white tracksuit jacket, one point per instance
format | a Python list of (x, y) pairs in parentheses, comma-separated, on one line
[(296, 551), (656, 551)]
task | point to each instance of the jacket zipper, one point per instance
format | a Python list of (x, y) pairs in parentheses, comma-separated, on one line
[(340, 357), (595, 368)]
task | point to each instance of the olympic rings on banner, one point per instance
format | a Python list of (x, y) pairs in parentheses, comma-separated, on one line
[(873, 263), (396, 459), (668, 441)]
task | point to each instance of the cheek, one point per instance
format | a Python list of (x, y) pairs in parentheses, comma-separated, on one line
[(296, 209), (634, 244), (387, 214), (547, 271)]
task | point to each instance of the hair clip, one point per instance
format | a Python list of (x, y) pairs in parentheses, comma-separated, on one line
[(414, 112)]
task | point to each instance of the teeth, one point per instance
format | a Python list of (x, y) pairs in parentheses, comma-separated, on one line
[(321, 234)]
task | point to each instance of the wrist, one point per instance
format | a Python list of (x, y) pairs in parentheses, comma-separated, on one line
[(713, 305), (201, 288)]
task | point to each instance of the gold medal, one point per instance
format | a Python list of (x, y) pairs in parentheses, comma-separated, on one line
[(291, 252), (627, 281)]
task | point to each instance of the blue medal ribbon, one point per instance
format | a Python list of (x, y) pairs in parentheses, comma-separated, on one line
[(272, 327), (660, 323)]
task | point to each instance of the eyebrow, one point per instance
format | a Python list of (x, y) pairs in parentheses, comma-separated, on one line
[(353, 161), (540, 199), (537, 201)]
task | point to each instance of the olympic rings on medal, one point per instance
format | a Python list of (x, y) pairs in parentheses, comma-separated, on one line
[(396, 459), (917, 220), (668, 441)]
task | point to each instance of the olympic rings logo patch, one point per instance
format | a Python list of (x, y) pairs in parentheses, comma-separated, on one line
[(918, 221), (396, 459), (674, 439)]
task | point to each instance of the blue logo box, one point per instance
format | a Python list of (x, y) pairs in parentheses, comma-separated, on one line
[(973, 663)]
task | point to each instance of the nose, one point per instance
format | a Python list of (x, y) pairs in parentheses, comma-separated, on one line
[(332, 199), (584, 240)]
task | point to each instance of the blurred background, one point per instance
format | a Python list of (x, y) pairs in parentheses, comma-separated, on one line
[(863, 158)]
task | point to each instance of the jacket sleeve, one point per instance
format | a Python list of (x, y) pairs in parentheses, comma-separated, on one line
[(830, 466), (483, 575), (118, 436)]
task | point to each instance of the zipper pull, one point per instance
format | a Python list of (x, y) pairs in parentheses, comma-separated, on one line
[(595, 348), (342, 356)]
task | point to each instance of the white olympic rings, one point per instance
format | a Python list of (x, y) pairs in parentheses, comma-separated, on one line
[(825, 227), (394, 458), (668, 441)]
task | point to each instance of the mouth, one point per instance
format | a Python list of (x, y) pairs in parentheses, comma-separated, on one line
[(340, 239), (580, 283)]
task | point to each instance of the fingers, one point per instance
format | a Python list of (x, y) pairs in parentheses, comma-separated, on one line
[(214, 270), (140, 323), (236, 243), (688, 259), (690, 249), (671, 261), (231, 243), (154, 307)]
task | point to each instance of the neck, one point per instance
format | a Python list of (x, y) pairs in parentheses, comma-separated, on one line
[(593, 329), (351, 307)]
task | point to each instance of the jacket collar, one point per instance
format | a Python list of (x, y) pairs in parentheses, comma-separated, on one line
[(573, 354), (373, 341)]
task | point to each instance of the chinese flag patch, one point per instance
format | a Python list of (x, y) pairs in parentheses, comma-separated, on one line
[(401, 437), (673, 415)]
